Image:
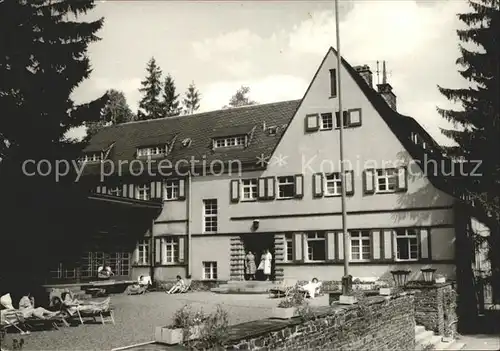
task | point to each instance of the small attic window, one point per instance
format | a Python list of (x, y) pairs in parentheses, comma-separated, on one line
[(231, 141), (152, 150), (273, 130), (91, 157), (186, 142)]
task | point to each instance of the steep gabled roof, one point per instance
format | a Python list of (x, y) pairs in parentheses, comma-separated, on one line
[(200, 129)]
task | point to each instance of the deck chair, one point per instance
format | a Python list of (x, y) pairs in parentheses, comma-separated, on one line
[(102, 310), (186, 287), (283, 289), (12, 318)]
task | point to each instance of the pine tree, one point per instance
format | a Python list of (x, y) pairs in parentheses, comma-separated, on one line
[(44, 58), (170, 102), (477, 125), (192, 99), (150, 107), (240, 98), (115, 111)]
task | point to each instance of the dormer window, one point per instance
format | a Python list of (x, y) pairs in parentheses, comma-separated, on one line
[(91, 157), (231, 141), (152, 150)]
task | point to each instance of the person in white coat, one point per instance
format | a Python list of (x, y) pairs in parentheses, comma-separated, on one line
[(265, 263)]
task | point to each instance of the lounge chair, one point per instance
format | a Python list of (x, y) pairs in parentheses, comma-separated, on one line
[(12, 318), (186, 287), (30, 321), (99, 309), (283, 289)]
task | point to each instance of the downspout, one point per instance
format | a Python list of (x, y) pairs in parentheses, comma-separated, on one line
[(152, 252), (189, 204)]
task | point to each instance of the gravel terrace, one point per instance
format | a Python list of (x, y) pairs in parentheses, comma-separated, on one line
[(137, 316)]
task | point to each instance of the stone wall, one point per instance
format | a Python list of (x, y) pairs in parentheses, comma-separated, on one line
[(378, 323), (431, 309)]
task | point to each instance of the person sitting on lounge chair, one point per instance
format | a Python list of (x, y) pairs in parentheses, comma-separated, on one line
[(144, 280), (178, 287), (27, 307), (312, 288), (72, 304)]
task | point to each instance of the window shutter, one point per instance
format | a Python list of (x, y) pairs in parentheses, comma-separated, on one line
[(153, 190), (387, 236), (261, 188), (376, 247), (182, 249), (299, 186), (339, 246), (402, 179), (305, 248), (235, 190), (330, 246), (297, 246), (182, 189), (318, 184), (159, 190), (424, 244), (349, 181), (270, 190), (312, 122), (369, 181), (157, 251)]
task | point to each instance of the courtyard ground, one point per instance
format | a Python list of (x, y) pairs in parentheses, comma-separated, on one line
[(137, 316)]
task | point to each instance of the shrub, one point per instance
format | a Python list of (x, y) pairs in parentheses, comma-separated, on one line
[(296, 298), (186, 318)]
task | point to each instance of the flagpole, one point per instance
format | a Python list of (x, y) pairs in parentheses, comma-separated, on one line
[(346, 280)]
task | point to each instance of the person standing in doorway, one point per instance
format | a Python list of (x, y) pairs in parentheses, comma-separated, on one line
[(265, 264), (250, 265)]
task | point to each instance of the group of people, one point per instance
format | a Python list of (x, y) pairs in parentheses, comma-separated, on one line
[(264, 266)]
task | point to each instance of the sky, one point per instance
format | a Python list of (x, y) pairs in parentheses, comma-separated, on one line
[(275, 47)]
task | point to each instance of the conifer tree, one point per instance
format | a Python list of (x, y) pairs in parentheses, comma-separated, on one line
[(477, 124), (170, 102), (115, 111), (43, 59), (192, 99), (150, 106)]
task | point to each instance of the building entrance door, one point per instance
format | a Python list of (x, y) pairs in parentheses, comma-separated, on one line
[(257, 244)]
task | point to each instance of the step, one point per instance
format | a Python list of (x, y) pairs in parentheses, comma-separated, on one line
[(428, 343), (423, 337), (419, 329), (454, 345)]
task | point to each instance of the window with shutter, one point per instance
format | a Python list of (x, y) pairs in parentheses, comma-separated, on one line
[(402, 179), (318, 184), (369, 181), (312, 122), (235, 190), (299, 186), (345, 119)]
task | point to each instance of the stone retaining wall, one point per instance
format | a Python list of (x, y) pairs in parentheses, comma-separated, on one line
[(378, 323)]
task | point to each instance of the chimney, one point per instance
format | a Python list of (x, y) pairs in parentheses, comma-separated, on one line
[(385, 90), (365, 73)]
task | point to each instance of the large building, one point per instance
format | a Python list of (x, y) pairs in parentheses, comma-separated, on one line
[(268, 177)]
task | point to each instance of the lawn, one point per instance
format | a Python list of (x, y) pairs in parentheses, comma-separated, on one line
[(137, 316)]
